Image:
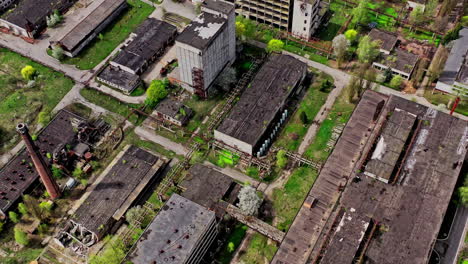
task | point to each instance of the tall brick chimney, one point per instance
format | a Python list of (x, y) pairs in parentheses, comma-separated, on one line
[(41, 166)]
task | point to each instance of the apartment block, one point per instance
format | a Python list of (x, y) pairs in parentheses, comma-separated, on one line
[(307, 16)]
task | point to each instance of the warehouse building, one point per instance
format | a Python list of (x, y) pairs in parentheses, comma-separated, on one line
[(257, 117), (173, 111), (454, 78), (123, 183), (100, 14), (182, 232), (416, 154), (27, 18), (206, 46), (119, 79)]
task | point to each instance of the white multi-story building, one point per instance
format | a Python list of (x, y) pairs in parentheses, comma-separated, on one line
[(206, 46), (307, 16)]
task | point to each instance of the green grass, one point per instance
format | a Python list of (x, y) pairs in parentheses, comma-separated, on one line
[(296, 48), (25, 255), (111, 104), (421, 36), (18, 103), (80, 110), (258, 249), (339, 114), (292, 135), (338, 19), (113, 35), (288, 200), (236, 237), (201, 108), (132, 138), (440, 98), (139, 91)]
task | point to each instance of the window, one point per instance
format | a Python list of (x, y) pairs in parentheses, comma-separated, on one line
[(305, 21), (306, 14), (304, 29)]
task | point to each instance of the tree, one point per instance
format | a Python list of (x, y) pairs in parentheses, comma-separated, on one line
[(133, 216), (274, 45), (281, 159), (340, 46), (227, 78), (240, 30), (35, 209), (440, 24), (13, 217), (21, 237), (351, 35), (361, 13), (57, 173), (396, 81), (438, 62), (368, 50), (22, 209), (156, 92), (249, 202), (231, 247), (352, 89), (431, 6), (28, 72), (57, 52), (416, 16)]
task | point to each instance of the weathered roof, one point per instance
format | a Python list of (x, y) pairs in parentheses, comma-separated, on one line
[(219, 6), (410, 212), (206, 186), (102, 9), (34, 11), (19, 173), (124, 179), (263, 98), (151, 36), (202, 31), (387, 39), (401, 60), (123, 79), (456, 59), (175, 233), (463, 74), (173, 108)]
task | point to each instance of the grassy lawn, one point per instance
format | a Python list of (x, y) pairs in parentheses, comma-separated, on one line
[(258, 250), (339, 114), (236, 237), (292, 135), (18, 103), (111, 104), (337, 20), (201, 108), (113, 35), (440, 98), (288, 200), (298, 49), (421, 36)]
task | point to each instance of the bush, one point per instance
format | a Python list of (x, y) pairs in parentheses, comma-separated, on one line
[(13, 217), (156, 92), (28, 72), (396, 81), (22, 209), (57, 173), (21, 237), (44, 117), (1, 226), (274, 45), (281, 159), (78, 173), (57, 52)]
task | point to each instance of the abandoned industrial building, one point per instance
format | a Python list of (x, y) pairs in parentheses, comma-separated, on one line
[(415, 153), (206, 47), (173, 111), (207, 187), (182, 232), (400, 62), (261, 110), (19, 175), (119, 79), (454, 78), (100, 13), (120, 186), (147, 43), (387, 40), (27, 18)]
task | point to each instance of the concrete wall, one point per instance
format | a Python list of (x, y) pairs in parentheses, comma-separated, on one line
[(14, 28), (5, 4), (233, 142), (189, 58), (394, 71)]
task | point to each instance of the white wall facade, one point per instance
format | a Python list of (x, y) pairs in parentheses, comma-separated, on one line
[(233, 142), (305, 18), (14, 28)]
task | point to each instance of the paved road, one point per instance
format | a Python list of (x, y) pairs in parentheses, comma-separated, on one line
[(148, 134)]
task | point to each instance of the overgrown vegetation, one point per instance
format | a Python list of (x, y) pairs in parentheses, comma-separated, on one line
[(258, 250)]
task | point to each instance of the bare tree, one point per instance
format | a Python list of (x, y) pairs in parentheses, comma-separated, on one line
[(340, 47), (438, 62)]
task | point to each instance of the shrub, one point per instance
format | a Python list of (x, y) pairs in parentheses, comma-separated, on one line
[(275, 45), (281, 159), (13, 217), (396, 81), (57, 52), (156, 92), (22, 209), (57, 173), (28, 72), (21, 237), (43, 118)]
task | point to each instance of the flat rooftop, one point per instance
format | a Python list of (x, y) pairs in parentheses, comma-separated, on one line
[(151, 37), (221, 6), (101, 10), (263, 98), (456, 58), (387, 39), (19, 174), (125, 178), (34, 11), (202, 31), (123, 79), (173, 108), (207, 187), (174, 234)]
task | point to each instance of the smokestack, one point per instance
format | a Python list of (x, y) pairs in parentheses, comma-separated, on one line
[(41, 166)]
